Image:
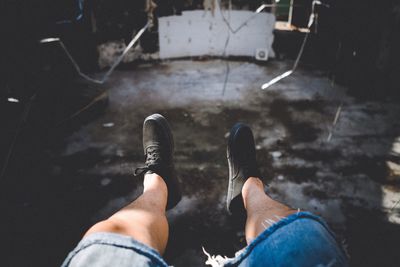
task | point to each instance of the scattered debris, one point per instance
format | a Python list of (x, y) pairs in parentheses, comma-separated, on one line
[(12, 100), (335, 120), (276, 154), (114, 65), (311, 21), (105, 181), (108, 124)]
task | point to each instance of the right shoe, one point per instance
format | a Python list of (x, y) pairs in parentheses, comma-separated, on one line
[(158, 146), (241, 154)]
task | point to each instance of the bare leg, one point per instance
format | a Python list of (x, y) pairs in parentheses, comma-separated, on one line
[(261, 209), (144, 219)]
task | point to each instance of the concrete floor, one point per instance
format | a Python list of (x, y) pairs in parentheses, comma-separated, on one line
[(352, 180)]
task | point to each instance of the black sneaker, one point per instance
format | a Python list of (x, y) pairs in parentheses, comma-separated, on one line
[(241, 154), (158, 146)]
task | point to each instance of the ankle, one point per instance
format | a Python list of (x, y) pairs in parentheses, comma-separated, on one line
[(252, 184), (154, 182), (251, 188)]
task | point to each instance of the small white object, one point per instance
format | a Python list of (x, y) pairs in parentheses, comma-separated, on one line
[(280, 177), (105, 181), (258, 147), (120, 153), (276, 154), (108, 124), (261, 8), (396, 147), (262, 54), (49, 40), (12, 100), (276, 79)]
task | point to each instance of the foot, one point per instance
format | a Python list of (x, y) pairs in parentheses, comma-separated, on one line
[(158, 146), (241, 154)]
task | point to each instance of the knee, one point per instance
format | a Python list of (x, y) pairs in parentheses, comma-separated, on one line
[(109, 226)]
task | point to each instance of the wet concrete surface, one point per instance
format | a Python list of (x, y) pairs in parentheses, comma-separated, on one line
[(351, 179)]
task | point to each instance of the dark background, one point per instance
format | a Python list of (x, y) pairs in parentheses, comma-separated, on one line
[(356, 43)]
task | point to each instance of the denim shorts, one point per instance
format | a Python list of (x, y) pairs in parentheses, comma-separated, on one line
[(301, 239)]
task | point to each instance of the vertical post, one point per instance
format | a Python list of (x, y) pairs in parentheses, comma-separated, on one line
[(273, 7), (290, 12)]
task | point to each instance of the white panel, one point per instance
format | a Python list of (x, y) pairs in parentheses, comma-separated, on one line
[(198, 33)]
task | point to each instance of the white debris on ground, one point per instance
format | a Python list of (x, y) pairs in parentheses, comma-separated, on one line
[(110, 51)]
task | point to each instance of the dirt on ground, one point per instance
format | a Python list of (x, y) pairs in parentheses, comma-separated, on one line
[(347, 172)]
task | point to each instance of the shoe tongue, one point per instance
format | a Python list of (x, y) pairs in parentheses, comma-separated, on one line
[(153, 156), (153, 149)]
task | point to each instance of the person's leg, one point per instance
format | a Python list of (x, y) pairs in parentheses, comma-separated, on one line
[(246, 191), (137, 233), (276, 234), (144, 219), (261, 209)]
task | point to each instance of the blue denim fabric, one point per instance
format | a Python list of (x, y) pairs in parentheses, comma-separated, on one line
[(108, 249), (301, 239)]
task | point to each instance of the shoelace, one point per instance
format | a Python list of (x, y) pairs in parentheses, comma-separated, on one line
[(152, 159)]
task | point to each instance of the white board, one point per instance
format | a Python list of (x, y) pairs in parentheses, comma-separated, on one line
[(199, 33)]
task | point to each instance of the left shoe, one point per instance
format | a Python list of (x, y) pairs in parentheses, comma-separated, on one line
[(158, 146), (241, 154)]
